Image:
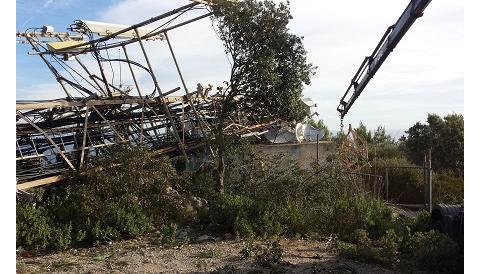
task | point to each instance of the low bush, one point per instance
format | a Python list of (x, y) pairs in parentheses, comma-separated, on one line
[(200, 184), (434, 251), (423, 222), (410, 242), (359, 212), (235, 213), (127, 192), (168, 233), (361, 252), (124, 193), (363, 248), (447, 188), (33, 226), (272, 196), (269, 254)]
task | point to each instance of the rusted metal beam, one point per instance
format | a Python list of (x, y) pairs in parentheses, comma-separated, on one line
[(162, 99), (138, 90), (84, 140), (94, 102), (199, 119), (40, 182)]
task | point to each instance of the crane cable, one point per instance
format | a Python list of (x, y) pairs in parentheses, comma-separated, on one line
[(341, 125)]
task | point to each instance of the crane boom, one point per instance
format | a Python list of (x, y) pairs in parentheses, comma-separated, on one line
[(372, 63)]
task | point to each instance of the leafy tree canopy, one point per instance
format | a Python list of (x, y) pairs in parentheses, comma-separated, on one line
[(444, 136), (364, 133), (269, 64), (380, 136)]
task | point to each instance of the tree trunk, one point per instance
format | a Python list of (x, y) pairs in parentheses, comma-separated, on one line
[(221, 161), (220, 172)]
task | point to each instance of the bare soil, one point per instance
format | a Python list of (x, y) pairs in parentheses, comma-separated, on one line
[(145, 255)]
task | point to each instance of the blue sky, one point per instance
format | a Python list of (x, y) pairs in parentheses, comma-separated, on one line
[(424, 74), (31, 71)]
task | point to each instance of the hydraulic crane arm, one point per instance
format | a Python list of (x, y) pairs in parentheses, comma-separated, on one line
[(372, 63)]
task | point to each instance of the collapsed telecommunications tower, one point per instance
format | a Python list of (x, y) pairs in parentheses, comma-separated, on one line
[(54, 136)]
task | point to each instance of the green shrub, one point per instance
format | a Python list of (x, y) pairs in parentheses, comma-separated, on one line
[(295, 218), (234, 213), (423, 221), (269, 254), (435, 251), (123, 193), (363, 248), (247, 217), (168, 234), (360, 236), (272, 221), (80, 236), (101, 233), (359, 212), (33, 226), (448, 188), (130, 221), (365, 253), (61, 237), (390, 244), (200, 184)]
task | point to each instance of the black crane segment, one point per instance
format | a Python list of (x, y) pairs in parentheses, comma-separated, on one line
[(372, 63)]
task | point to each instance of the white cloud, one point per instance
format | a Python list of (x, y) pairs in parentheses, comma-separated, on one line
[(198, 51), (47, 3)]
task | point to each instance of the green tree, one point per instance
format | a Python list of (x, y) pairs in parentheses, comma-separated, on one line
[(364, 133), (269, 66), (445, 137), (380, 136), (320, 125)]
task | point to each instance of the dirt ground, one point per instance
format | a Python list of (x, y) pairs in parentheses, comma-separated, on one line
[(145, 255)]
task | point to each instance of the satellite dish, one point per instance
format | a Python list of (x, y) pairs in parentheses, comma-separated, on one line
[(305, 132), (280, 136)]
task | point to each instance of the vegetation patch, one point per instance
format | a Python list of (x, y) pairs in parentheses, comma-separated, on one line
[(124, 193)]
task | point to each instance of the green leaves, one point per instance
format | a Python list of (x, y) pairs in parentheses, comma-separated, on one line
[(121, 194), (444, 136), (269, 64)]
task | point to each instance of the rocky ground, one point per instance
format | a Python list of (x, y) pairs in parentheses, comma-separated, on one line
[(206, 255)]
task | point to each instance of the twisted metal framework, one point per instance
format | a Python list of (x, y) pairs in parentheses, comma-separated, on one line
[(353, 151), (54, 136)]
